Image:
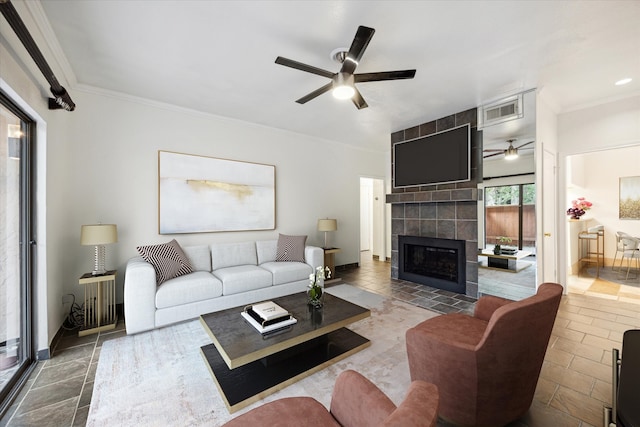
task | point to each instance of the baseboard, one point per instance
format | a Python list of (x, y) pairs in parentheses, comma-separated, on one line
[(346, 266), (44, 354)]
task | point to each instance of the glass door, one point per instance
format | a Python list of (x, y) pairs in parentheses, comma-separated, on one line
[(16, 354)]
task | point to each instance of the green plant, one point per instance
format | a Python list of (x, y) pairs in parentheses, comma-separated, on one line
[(504, 240)]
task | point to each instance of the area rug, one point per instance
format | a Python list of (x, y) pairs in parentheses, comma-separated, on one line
[(160, 378), (616, 276)]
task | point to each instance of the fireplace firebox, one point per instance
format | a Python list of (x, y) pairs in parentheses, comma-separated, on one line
[(435, 262)]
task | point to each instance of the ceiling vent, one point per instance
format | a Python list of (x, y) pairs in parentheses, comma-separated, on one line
[(500, 111)]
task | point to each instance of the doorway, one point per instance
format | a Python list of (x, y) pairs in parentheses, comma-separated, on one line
[(372, 205), (509, 218), (17, 132)]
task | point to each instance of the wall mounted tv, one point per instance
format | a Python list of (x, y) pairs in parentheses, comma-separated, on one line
[(442, 157)]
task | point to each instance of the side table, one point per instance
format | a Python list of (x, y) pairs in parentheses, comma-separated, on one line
[(330, 261), (99, 302)]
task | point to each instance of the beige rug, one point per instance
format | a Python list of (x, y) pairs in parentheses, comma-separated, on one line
[(159, 378)]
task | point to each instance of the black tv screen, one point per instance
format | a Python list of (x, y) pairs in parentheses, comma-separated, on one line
[(439, 158)]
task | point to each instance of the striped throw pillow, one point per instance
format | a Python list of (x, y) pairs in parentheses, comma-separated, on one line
[(290, 248), (168, 260)]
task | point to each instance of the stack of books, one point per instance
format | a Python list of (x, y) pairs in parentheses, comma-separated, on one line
[(268, 317)]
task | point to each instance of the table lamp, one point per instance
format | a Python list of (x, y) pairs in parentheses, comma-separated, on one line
[(99, 235), (327, 225)]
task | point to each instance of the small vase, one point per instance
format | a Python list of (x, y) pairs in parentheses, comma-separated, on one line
[(315, 294)]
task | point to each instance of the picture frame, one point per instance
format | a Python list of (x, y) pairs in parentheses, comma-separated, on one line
[(199, 194), (629, 199)]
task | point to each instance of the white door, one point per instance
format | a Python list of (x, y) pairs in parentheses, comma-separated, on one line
[(365, 214), (548, 211)]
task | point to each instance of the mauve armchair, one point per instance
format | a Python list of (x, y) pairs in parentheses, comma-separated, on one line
[(486, 366), (355, 402)]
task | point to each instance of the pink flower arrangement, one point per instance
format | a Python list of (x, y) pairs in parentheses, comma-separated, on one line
[(578, 207)]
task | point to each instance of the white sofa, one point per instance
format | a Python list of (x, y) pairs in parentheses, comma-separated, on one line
[(225, 275)]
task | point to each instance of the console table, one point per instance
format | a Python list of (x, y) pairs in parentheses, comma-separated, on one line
[(504, 262)]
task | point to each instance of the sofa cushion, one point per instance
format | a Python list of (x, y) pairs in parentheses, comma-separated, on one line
[(200, 257), (193, 287), (266, 250), (285, 272), (168, 260), (290, 248), (233, 254), (243, 278)]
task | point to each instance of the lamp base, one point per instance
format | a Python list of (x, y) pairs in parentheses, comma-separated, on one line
[(98, 264)]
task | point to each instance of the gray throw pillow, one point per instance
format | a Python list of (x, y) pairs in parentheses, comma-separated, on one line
[(291, 248)]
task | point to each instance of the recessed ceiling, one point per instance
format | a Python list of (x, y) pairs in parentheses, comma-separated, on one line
[(218, 57)]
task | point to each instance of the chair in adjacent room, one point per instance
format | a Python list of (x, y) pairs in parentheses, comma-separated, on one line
[(486, 366), (355, 402), (619, 248), (630, 251)]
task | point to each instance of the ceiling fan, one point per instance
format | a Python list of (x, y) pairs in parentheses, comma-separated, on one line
[(343, 82), (510, 153)]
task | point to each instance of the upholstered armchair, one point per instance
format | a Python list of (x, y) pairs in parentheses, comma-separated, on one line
[(485, 366), (355, 402)]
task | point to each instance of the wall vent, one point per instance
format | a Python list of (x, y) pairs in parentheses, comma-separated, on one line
[(500, 111)]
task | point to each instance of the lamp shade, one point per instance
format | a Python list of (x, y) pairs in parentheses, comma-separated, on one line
[(98, 234), (327, 225)]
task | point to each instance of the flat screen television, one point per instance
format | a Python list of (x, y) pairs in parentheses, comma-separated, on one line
[(439, 158)]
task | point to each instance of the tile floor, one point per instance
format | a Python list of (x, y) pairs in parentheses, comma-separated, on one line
[(575, 382)]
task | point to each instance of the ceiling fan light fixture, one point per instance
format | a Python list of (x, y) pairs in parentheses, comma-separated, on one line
[(343, 92), (511, 153), (343, 86)]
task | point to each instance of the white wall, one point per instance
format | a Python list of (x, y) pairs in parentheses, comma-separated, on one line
[(114, 178)]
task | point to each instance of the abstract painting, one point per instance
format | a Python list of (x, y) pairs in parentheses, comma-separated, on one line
[(629, 197), (200, 194)]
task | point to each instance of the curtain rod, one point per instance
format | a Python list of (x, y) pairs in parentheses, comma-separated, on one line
[(61, 99)]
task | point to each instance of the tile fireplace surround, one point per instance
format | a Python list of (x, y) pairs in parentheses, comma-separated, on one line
[(447, 211)]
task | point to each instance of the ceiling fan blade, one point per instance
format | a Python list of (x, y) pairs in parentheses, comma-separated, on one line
[(494, 149), (384, 75), (525, 144), (358, 46), (304, 67), (358, 100), (495, 154), (315, 93)]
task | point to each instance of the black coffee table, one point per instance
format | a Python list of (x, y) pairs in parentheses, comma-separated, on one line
[(247, 366)]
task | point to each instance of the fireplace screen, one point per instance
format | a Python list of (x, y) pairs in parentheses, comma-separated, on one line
[(438, 263)]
